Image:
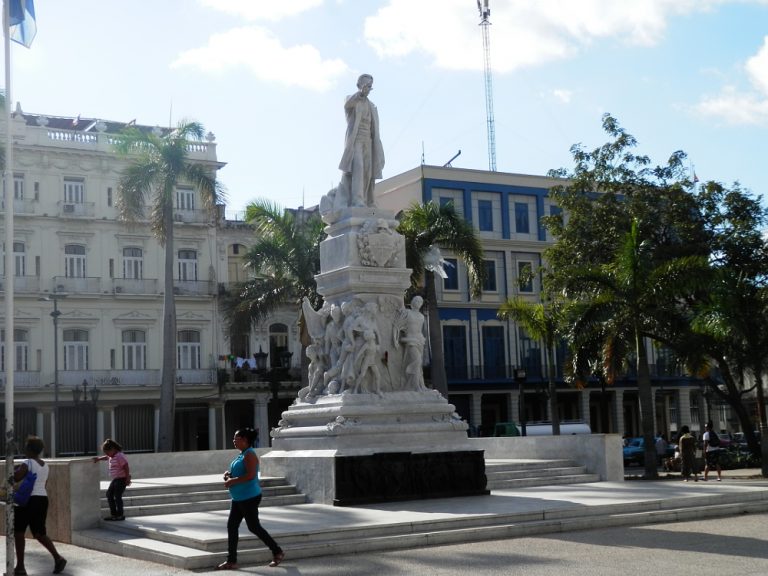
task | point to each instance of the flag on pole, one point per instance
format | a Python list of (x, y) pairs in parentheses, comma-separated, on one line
[(22, 21), (695, 178)]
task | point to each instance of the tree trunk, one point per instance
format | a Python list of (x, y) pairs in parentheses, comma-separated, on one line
[(168, 374), (553, 412), (763, 424), (437, 366), (646, 406), (733, 397)]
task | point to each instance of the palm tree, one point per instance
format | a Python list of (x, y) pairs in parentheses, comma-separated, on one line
[(283, 262), (543, 323), (425, 228), (627, 301), (158, 163)]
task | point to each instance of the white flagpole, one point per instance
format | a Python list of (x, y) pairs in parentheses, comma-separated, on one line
[(8, 291)]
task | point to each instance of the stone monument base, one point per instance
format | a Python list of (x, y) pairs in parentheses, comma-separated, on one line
[(358, 448), (329, 478)]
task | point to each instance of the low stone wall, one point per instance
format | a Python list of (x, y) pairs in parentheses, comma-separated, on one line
[(600, 453), (168, 464), (73, 494)]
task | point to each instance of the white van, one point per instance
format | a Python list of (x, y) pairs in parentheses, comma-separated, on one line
[(545, 428)]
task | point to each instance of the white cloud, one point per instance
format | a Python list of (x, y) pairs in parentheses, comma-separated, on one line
[(254, 10), (743, 107), (757, 68), (522, 33), (562, 95), (259, 51)]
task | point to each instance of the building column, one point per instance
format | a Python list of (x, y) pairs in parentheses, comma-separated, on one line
[(684, 415), (617, 406), (43, 417), (513, 407), (261, 419), (157, 427), (584, 397), (100, 429), (476, 410), (212, 436), (105, 422)]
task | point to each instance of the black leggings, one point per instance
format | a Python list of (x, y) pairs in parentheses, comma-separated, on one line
[(115, 496), (248, 510)]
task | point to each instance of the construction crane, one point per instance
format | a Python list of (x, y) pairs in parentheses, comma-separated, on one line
[(485, 24)]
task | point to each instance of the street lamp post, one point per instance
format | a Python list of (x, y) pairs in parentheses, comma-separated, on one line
[(55, 297), (81, 399)]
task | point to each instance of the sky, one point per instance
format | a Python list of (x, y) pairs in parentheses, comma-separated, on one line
[(269, 79)]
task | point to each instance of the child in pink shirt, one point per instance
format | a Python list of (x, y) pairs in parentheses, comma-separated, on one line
[(120, 474)]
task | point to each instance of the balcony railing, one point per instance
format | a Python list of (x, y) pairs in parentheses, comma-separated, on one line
[(23, 283), (193, 287), (117, 378), (21, 207), (135, 286), (537, 371), (192, 216), (23, 379), (83, 285), (76, 209)]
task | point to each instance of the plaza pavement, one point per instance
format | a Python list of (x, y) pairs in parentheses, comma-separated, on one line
[(699, 547)]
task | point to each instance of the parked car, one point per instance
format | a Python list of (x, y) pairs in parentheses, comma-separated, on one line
[(634, 451)]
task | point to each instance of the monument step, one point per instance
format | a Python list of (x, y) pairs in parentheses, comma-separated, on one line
[(174, 549), (492, 474), (498, 465), (509, 483), (202, 506), (148, 498), (138, 498), (210, 482)]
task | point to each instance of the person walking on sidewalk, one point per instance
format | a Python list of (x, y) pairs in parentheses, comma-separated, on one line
[(686, 445), (35, 512), (120, 473), (711, 451), (242, 481)]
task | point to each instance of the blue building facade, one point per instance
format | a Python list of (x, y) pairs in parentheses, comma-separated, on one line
[(484, 353)]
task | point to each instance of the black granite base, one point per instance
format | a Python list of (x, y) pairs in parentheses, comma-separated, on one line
[(393, 476)]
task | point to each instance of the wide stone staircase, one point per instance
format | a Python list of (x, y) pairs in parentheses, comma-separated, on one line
[(148, 498), (511, 474), (181, 522)]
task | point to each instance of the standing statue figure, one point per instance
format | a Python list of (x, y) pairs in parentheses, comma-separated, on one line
[(363, 158), (409, 331)]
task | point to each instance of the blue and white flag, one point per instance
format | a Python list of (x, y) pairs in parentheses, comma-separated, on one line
[(22, 22)]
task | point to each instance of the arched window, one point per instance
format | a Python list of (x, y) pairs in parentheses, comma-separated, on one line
[(75, 349), (134, 350), (188, 350), (21, 345)]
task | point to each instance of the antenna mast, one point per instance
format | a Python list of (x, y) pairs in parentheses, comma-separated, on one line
[(485, 23)]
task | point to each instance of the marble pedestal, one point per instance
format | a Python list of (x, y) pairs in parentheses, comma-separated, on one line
[(366, 428), (356, 448)]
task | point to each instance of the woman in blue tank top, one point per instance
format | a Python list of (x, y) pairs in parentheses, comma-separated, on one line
[(242, 481)]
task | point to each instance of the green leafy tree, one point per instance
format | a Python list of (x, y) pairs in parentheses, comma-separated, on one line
[(540, 321), (282, 262), (628, 301), (158, 163), (707, 327), (427, 227)]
